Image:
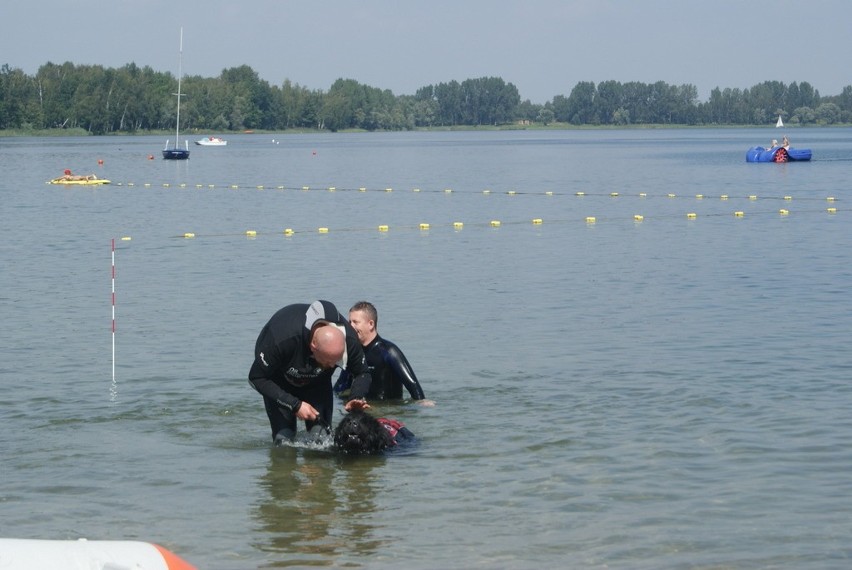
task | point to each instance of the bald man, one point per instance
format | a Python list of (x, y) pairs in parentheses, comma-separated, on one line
[(295, 356)]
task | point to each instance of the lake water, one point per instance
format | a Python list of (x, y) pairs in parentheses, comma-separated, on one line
[(668, 391)]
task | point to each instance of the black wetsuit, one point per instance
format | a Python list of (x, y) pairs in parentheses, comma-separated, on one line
[(285, 372), (389, 370)]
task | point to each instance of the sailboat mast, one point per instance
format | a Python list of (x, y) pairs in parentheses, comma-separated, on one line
[(180, 74)]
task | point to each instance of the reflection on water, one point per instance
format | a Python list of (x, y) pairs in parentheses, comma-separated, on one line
[(317, 508)]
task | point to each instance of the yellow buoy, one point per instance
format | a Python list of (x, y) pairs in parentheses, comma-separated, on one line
[(511, 192), (613, 194), (251, 233), (590, 219), (549, 193), (383, 228), (306, 188), (495, 223), (699, 196), (388, 189), (723, 197), (672, 195), (415, 190), (643, 194), (448, 190), (579, 193), (322, 230), (537, 221), (486, 191), (830, 199), (288, 231), (692, 215), (752, 197), (189, 235), (638, 217), (362, 189), (739, 214), (458, 225), (784, 212), (126, 238), (788, 198), (424, 226), (832, 210), (332, 189)]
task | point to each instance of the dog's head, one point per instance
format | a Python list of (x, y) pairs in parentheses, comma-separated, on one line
[(359, 433)]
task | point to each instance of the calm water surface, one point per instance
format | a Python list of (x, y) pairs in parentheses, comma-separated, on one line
[(667, 392)]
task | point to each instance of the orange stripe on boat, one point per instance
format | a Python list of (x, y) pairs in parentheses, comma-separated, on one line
[(173, 561)]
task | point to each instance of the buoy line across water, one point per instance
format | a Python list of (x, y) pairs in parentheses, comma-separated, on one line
[(458, 226), (485, 192)]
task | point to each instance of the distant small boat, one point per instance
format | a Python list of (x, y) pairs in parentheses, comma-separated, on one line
[(212, 141), (779, 123), (177, 153)]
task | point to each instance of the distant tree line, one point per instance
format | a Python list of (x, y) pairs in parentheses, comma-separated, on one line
[(103, 100)]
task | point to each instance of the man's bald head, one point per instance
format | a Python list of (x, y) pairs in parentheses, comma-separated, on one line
[(328, 344)]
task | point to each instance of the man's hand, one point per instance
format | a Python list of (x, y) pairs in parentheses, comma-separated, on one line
[(356, 405), (307, 412)]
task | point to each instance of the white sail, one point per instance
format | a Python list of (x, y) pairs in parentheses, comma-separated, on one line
[(780, 123)]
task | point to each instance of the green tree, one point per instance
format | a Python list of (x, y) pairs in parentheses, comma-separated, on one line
[(828, 114), (545, 116), (561, 109), (17, 98), (581, 104), (607, 100), (449, 99)]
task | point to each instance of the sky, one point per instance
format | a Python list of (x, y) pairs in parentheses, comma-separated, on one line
[(543, 47)]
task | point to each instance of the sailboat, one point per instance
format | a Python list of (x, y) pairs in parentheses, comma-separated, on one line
[(176, 153), (779, 123)]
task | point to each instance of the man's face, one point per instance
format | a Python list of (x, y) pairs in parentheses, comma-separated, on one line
[(324, 362), (362, 326)]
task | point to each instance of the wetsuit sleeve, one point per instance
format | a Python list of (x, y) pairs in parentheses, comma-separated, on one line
[(358, 370), (402, 369), (343, 382), (267, 364)]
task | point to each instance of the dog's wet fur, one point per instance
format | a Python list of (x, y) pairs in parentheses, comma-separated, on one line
[(359, 433)]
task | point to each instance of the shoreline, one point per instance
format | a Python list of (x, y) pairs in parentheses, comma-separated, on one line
[(11, 133)]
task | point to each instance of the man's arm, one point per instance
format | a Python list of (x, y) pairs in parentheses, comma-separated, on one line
[(402, 370), (357, 368), (265, 366)]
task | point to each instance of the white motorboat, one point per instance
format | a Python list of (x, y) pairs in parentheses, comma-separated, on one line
[(211, 141)]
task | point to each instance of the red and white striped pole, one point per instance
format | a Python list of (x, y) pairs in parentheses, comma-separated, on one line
[(113, 389)]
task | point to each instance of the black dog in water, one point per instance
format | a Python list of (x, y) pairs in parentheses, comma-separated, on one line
[(359, 433)]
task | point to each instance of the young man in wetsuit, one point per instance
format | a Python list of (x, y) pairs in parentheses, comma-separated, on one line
[(389, 369), (295, 355)]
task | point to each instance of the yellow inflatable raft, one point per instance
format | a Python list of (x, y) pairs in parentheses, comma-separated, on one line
[(82, 181)]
